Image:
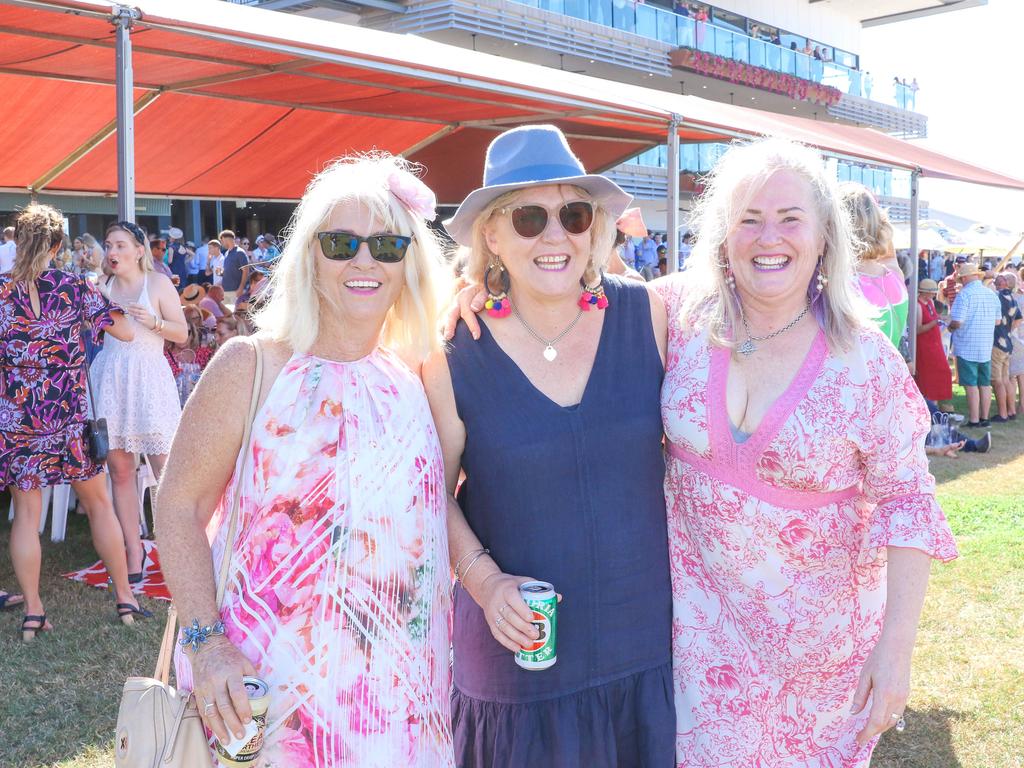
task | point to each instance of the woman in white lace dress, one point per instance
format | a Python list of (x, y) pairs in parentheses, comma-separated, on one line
[(134, 387)]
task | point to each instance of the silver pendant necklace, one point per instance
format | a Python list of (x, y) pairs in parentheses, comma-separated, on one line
[(748, 347), (550, 353)]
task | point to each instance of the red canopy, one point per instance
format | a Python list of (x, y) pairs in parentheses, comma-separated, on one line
[(233, 101)]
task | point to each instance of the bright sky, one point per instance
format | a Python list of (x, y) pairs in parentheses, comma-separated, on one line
[(968, 66)]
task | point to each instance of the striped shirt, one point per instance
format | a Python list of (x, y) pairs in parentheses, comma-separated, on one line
[(977, 309)]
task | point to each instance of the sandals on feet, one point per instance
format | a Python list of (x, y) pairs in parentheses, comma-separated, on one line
[(127, 613), (8, 601), (28, 634), (136, 578)]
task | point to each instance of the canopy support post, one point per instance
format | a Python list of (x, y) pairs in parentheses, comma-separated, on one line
[(123, 17), (915, 278), (672, 214)]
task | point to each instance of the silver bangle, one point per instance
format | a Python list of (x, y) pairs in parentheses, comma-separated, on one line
[(470, 567), (463, 559)]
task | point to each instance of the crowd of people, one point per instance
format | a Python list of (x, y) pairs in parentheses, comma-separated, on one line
[(741, 586), (143, 333)]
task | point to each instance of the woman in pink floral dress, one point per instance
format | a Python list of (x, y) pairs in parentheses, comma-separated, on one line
[(801, 513), (338, 589)]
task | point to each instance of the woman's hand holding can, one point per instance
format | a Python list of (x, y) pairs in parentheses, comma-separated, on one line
[(217, 671), (507, 614)]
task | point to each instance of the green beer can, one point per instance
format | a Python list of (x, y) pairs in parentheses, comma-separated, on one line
[(543, 602)]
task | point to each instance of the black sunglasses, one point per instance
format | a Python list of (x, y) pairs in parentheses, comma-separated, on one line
[(342, 246), (530, 221)]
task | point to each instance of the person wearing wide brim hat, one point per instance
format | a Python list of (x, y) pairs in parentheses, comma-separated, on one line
[(567, 370), (193, 294)]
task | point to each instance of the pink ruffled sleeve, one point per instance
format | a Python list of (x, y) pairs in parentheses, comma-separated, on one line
[(897, 479)]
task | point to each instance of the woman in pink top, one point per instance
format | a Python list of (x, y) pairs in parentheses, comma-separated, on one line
[(878, 271), (796, 473)]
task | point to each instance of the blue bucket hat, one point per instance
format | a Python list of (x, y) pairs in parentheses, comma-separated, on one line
[(532, 156)]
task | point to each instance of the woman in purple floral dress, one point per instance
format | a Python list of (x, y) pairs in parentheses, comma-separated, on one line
[(43, 405)]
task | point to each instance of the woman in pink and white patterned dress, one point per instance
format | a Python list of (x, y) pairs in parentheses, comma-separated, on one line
[(338, 591), (802, 517)]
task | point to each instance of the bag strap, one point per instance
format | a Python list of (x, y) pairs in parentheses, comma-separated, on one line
[(163, 662), (87, 327)]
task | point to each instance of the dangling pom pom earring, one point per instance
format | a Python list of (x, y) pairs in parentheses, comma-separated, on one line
[(730, 278), (593, 296), (498, 304)]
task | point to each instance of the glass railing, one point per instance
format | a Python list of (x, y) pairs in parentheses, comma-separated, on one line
[(701, 158), (682, 31)]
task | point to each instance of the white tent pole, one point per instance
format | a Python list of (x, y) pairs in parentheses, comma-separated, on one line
[(915, 278), (672, 214), (123, 17)]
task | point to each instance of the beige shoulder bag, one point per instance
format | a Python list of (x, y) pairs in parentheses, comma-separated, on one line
[(158, 727)]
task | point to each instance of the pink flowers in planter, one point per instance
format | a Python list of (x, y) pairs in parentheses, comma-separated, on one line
[(739, 72)]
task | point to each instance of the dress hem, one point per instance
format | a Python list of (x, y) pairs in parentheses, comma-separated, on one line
[(598, 683)]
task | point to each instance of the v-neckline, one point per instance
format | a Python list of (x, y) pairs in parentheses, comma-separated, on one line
[(522, 374), (724, 443)]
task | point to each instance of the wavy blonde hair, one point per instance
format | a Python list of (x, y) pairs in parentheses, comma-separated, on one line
[(740, 173), (602, 237), (872, 232), (37, 230), (292, 313)]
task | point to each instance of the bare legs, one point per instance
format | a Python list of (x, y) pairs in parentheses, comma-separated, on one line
[(121, 466), (106, 534), (26, 552), (126, 500), (1002, 398), (986, 401), (972, 404)]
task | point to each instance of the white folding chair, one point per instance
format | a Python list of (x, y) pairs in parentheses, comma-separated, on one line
[(145, 480), (59, 512)]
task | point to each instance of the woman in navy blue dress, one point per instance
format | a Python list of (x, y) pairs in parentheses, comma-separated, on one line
[(553, 416)]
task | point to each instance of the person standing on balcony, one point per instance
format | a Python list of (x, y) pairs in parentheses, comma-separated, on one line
[(869, 81), (914, 88)]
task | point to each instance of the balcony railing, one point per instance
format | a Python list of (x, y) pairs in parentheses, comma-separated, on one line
[(683, 31), (701, 158)]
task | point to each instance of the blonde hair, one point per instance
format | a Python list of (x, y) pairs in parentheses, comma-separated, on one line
[(872, 232), (145, 260), (293, 311), (37, 230), (602, 237), (740, 173)]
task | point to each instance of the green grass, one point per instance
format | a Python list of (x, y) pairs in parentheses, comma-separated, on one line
[(59, 695)]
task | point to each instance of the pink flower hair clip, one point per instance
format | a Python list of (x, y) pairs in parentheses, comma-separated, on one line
[(414, 194)]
